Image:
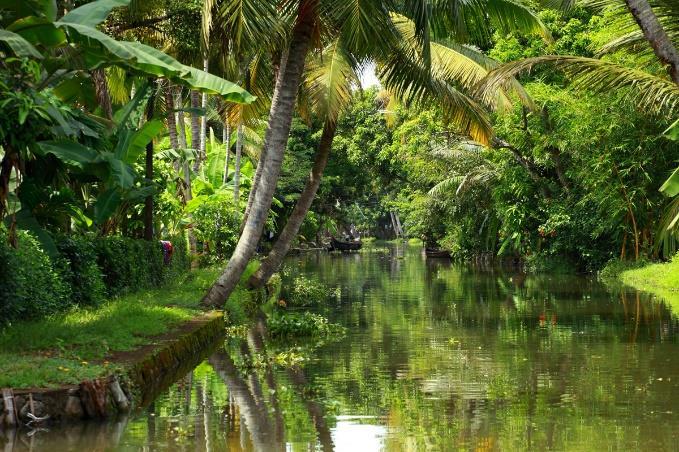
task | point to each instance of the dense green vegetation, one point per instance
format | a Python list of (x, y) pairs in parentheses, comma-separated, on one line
[(84, 271), (574, 179), (498, 130), (73, 346)]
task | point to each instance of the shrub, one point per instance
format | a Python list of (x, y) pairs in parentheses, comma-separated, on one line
[(29, 285), (181, 261), (123, 264), (304, 292), (80, 271), (305, 324), (86, 270), (614, 268), (129, 264), (216, 225)]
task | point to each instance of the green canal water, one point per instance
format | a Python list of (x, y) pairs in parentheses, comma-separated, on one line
[(437, 356)]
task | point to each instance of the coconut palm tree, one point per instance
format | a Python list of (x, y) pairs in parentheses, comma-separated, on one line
[(367, 28), (280, 118), (329, 83)]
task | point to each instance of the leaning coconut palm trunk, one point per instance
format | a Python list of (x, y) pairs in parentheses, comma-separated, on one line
[(280, 249), (280, 119), (656, 36), (255, 184)]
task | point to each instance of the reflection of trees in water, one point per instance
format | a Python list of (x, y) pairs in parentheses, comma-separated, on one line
[(537, 353), (262, 417), (562, 364)]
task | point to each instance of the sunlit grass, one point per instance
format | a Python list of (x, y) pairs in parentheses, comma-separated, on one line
[(659, 279), (59, 349)]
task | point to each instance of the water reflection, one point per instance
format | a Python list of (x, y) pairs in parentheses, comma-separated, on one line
[(437, 357)]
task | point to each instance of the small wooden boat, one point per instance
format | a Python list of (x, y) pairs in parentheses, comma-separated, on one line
[(437, 252), (339, 245)]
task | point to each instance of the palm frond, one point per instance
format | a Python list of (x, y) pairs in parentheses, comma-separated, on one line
[(329, 81), (628, 33), (405, 73), (206, 23), (118, 88), (648, 91), (509, 15), (249, 21), (447, 185), (363, 25)]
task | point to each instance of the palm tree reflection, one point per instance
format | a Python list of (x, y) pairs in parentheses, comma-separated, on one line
[(262, 418)]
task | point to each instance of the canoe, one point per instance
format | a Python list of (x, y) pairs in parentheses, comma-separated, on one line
[(436, 252), (339, 245)]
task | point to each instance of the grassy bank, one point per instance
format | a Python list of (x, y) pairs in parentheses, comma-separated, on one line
[(660, 279), (73, 346)]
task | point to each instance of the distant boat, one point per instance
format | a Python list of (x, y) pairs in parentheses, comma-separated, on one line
[(339, 245), (436, 252)]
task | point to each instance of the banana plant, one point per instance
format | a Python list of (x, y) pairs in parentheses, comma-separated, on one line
[(59, 56), (667, 235)]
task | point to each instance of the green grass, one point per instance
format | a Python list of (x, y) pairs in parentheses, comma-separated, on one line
[(71, 347), (659, 279)]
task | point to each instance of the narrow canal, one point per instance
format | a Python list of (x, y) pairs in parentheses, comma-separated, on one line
[(437, 356)]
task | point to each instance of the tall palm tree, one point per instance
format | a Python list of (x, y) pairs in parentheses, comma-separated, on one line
[(280, 119), (329, 82), (367, 28)]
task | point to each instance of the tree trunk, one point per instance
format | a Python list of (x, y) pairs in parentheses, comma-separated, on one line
[(280, 119), (656, 36), (236, 171), (195, 128), (148, 202), (171, 117), (101, 91), (188, 194), (179, 106), (203, 122), (255, 415), (262, 156), (226, 138), (9, 161), (181, 121), (280, 249)]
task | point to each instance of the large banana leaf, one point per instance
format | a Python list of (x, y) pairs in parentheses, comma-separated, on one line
[(69, 152), (106, 205), (22, 8), (34, 26), (671, 185), (93, 13), (140, 139), (121, 174), (102, 50), (672, 131), (19, 45), (39, 31)]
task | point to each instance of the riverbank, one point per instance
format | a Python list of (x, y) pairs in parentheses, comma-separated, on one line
[(661, 279), (80, 344)]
